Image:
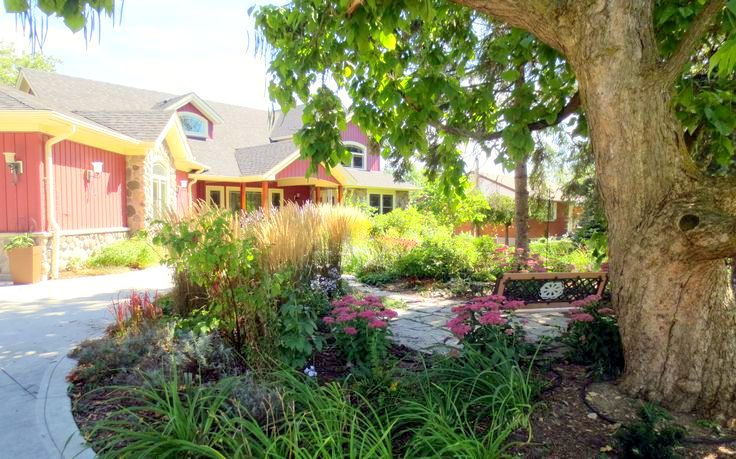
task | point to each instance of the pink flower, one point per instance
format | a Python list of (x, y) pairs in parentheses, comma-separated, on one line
[(329, 320), (346, 317), (592, 298), (390, 313), (501, 249), (491, 318), (509, 331), (460, 330), (606, 311), (350, 331), (366, 314), (515, 304), (581, 317), (377, 324)]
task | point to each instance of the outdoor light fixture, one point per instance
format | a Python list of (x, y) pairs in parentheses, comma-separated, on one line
[(96, 170), (16, 167)]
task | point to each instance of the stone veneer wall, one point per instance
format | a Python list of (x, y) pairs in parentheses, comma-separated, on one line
[(402, 199), (138, 175)]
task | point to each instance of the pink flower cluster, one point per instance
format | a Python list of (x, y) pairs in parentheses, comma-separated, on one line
[(350, 314), (482, 311), (584, 307)]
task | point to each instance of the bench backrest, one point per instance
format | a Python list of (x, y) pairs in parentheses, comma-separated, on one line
[(550, 289)]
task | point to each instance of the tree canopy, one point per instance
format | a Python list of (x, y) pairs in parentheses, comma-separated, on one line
[(11, 62), (425, 76)]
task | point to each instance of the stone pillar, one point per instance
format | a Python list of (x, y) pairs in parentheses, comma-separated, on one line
[(135, 186)]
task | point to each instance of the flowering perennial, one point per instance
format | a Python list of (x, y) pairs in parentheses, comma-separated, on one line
[(483, 317), (360, 327)]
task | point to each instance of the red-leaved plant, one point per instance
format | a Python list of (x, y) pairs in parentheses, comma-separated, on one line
[(133, 311), (361, 329)]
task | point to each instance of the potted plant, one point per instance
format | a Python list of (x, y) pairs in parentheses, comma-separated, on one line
[(25, 259)]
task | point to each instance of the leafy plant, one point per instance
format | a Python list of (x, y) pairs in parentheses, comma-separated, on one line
[(654, 436), (360, 327), (593, 338), (20, 241), (135, 310), (298, 337), (135, 253)]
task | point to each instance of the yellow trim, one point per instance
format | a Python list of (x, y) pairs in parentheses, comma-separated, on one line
[(273, 191), (300, 181), (219, 188), (54, 123), (226, 178)]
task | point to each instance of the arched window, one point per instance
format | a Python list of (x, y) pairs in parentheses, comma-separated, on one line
[(160, 183), (194, 125), (358, 159)]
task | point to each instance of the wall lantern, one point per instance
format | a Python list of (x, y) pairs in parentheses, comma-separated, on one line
[(96, 170), (16, 167)]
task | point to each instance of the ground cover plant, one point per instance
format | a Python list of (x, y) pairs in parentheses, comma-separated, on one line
[(137, 252)]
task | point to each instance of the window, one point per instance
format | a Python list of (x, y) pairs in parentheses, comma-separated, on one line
[(252, 200), (194, 125), (215, 196), (388, 203), (233, 199), (276, 198), (160, 184), (551, 211), (383, 203), (358, 157)]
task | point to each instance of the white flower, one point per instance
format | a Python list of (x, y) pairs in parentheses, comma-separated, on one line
[(310, 371)]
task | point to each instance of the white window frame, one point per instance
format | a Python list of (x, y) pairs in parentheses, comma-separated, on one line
[(553, 208), (162, 183), (220, 188), (197, 134), (381, 194), (364, 154)]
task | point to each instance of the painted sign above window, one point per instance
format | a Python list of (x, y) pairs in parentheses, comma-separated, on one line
[(194, 125)]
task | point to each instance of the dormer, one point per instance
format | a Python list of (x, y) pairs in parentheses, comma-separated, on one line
[(197, 116)]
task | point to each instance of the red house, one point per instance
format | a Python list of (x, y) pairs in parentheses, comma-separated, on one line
[(563, 214), (86, 162)]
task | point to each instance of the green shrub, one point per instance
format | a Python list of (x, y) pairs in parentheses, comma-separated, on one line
[(297, 335), (654, 436), (593, 338), (408, 223), (135, 253), (437, 258)]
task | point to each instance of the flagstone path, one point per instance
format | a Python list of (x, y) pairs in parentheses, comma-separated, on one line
[(421, 322)]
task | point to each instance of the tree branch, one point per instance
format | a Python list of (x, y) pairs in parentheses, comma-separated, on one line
[(536, 17), (671, 69), (571, 107)]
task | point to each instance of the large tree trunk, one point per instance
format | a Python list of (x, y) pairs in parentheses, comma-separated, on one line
[(521, 202), (670, 282), (670, 228)]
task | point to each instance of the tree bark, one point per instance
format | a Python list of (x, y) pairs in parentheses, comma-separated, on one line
[(670, 228), (521, 202), (671, 286)]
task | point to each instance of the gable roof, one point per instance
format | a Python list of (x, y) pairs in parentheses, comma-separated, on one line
[(204, 107), (263, 158), (285, 126), (142, 125)]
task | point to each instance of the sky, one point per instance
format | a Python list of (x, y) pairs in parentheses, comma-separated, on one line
[(175, 46)]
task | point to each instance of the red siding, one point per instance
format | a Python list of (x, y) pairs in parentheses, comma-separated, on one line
[(182, 194), (192, 109), (291, 192), (299, 168), (554, 228), (83, 204), (22, 203), (354, 134)]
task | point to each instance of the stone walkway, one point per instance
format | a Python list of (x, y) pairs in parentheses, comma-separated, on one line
[(421, 323)]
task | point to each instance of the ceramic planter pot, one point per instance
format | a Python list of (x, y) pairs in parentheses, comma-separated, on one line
[(25, 264)]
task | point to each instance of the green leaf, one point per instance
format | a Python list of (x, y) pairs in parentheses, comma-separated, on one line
[(347, 71), (510, 75), (388, 40), (75, 21), (16, 6)]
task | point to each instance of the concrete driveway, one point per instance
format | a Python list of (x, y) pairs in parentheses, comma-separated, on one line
[(39, 324)]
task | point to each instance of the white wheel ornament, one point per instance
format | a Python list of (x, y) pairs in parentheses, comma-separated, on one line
[(551, 290)]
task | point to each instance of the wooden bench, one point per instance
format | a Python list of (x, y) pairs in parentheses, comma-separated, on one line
[(554, 290)]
